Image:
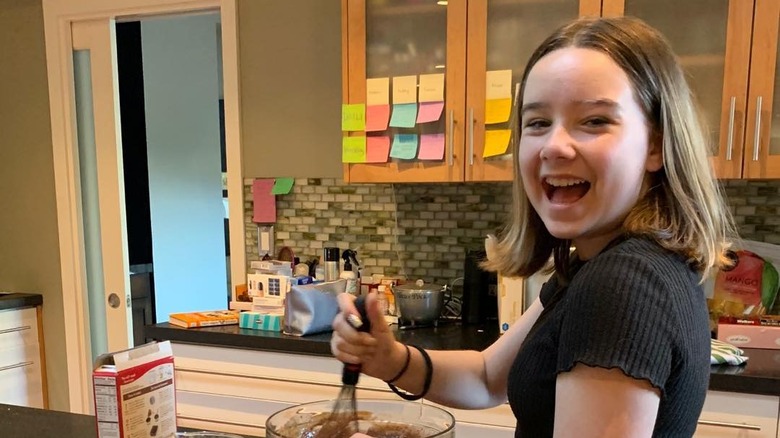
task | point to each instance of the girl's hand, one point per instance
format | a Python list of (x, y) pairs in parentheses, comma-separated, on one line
[(378, 352)]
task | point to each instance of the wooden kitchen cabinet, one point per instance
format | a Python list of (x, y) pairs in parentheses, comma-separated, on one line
[(729, 50), (464, 39)]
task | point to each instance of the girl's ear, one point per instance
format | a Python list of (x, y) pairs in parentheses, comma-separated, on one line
[(655, 153)]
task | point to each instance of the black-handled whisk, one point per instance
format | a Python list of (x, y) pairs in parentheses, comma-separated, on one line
[(343, 420)]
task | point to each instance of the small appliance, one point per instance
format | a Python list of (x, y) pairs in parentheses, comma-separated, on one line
[(480, 291)]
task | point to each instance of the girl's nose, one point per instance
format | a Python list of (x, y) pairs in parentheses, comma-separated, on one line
[(559, 144)]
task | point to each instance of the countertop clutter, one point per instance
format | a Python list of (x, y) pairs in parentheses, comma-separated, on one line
[(760, 375)]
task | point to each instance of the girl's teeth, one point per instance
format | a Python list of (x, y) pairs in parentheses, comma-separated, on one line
[(563, 182)]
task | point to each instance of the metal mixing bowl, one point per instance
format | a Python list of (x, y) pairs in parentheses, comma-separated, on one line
[(419, 303)]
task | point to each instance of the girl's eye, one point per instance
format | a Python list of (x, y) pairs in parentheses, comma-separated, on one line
[(595, 122), (536, 124)]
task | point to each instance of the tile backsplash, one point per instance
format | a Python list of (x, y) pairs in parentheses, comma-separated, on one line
[(424, 230)]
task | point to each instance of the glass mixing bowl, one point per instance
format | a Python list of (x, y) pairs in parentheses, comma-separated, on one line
[(417, 419)]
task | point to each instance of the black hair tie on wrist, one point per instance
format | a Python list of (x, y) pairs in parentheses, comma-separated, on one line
[(405, 367), (426, 383)]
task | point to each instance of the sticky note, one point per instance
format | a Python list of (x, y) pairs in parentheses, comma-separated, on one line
[(377, 149), (431, 147), (429, 112), (378, 91), (404, 89), (377, 117), (431, 88), (404, 115), (498, 84), (404, 146), (353, 117), (264, 202), (353, 149), (497, 110), (496, 142), (282, 186)]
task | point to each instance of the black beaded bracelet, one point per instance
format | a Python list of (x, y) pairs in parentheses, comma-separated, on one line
[(405, 367), (426, 383)]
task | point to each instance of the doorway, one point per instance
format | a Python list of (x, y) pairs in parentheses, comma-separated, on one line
[(170, 93)]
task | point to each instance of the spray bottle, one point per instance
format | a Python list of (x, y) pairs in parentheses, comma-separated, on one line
[(350, 273)]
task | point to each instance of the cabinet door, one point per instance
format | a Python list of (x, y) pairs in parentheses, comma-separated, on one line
[(731, 414), (712, 40), (762, 159), (502, 36), (395, 38)]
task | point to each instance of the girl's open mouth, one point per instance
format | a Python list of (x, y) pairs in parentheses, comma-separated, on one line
[(565, 190)]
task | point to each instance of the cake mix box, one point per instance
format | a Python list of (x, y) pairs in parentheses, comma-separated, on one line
[(134, 392)]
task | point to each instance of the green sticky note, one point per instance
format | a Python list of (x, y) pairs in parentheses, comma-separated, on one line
[(353, 150), (404, 146), (282, 186), (353, 117)]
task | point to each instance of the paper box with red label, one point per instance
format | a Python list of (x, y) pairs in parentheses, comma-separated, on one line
[(751, 332), (134, 393)]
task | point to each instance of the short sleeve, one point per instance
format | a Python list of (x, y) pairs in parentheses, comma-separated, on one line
[(618, 315)]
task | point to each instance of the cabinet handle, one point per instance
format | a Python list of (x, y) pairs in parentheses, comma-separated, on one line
[(757, 140), (450, 134), (18, 365), (730, 425), (470, 127), (732, 109), (15, 329)]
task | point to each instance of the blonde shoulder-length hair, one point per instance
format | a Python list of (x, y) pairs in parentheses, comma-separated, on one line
[(683, 210)]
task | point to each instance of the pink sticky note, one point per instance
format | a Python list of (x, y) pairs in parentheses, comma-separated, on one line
[(377, 149), (431, 147), (377, 117), (264, 210), (429, 112)]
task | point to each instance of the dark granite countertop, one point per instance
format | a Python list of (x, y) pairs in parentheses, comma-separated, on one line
[(23, 422), (18, 300), (760, 375)]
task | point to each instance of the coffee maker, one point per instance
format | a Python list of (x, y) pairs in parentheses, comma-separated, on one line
[(480, 291)]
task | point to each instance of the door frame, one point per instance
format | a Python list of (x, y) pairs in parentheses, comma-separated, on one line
[(59, 15)]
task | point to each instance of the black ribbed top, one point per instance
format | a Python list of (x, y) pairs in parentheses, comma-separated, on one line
[(636, 307)]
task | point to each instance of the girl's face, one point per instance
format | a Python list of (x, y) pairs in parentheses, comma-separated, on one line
[(585, 146)]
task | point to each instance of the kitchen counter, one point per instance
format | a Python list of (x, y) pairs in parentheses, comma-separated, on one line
[(23, 422), (760, 375), (18, 300)]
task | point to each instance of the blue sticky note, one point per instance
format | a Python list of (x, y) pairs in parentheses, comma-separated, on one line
[(404, 115), (404, 146)]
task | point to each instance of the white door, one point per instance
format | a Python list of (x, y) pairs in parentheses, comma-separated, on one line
[(102, 187)]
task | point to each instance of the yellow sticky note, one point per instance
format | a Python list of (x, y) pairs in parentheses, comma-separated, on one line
[(432, 88), (496, 142), (353, 117), (377, 91), (353, 149), (498, 84), (404, 89), (497, 110)]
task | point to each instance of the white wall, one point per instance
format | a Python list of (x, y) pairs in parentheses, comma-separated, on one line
[(181, 91)]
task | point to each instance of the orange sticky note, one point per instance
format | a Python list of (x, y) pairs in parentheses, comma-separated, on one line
[(496, 142), (377, 117), (431, 147), (377, 149)]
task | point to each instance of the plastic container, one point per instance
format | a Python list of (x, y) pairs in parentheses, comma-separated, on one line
[(427, 420)]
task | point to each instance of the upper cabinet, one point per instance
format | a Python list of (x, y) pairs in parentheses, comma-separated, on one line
[(477, 45), (729, 50)]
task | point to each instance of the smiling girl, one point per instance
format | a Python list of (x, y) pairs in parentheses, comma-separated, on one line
[(612, 163)]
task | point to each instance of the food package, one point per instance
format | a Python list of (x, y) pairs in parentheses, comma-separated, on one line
[(748, 288), (134, 392)]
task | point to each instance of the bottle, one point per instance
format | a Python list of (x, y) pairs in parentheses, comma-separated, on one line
[(348, 274), (331, 264), (382, 299)]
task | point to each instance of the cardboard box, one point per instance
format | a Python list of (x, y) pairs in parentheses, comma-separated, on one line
[(261, 321), (750, 335), (135, 393)]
